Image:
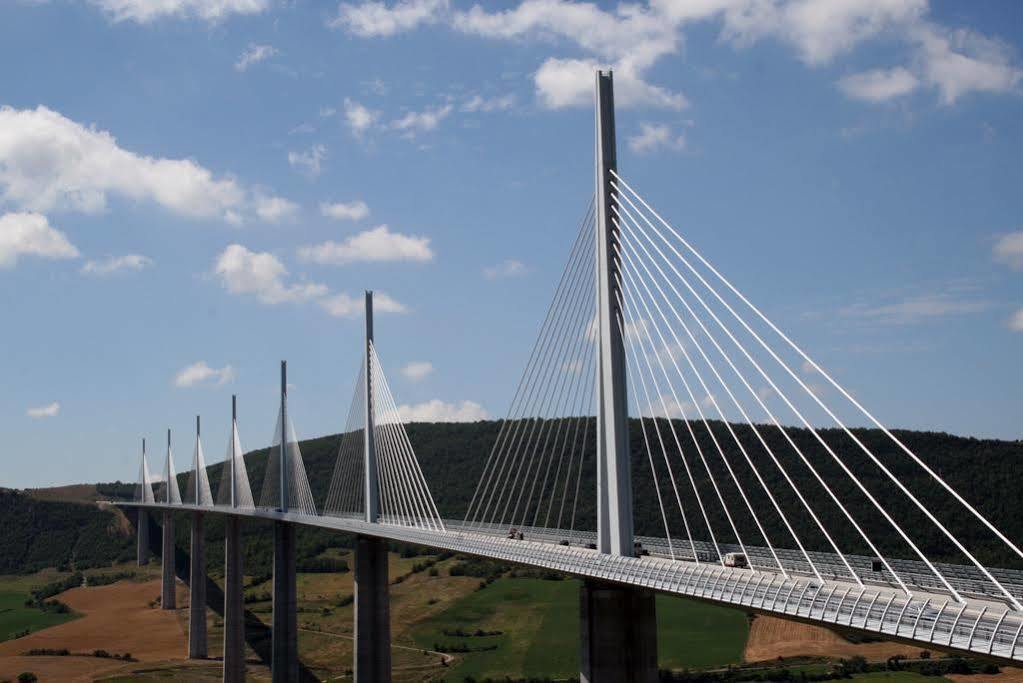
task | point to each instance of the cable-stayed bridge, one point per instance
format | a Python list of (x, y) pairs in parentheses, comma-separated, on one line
[(659, 380)]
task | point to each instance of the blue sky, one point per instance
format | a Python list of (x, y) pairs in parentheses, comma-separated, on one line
[(191, 191)]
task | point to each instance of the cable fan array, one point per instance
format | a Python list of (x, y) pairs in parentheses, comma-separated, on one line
[(403, 494), (533, 474), (714, 399)]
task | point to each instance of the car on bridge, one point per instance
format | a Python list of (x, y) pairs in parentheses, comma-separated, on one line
[(737, 560)]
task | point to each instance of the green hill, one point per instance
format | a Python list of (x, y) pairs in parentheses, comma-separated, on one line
[(986, 472)]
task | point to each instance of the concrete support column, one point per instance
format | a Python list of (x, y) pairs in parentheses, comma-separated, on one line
[(617, 635), (285, 616), (168, 598), (234, 603), (142, 527), (372, 612), (197, 648)]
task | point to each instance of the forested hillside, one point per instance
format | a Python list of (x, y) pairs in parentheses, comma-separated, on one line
[(986, 472)]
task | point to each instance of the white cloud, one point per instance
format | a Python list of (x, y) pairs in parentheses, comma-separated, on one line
[(146, 11), (422, 121), (1016, 321), (508, 268), (310, 161), (375, 245), (653, 136), (274, 209), (478, 103), (562, 83), (115, 264), (631, 38), (373, 18), (345, 211), (261, 274), (51, 410), (879, 85), (49, 162), (915, 309), (359, 118), (959, 62), (30, 234), (200, 373), (417, 370), (820, 30), (343, 305), (667, 406), (439, 411), (1009, 250), (255, 54)]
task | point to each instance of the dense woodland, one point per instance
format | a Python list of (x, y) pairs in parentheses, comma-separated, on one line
[(986, 472)]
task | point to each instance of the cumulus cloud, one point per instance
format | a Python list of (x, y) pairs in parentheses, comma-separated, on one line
[(50, 410), (359, 118), (508, 268), (201, 373), (562, 83), (421, 121), (254, 54), (375, 245), (1009, 250), (343, 305), (262, 275), (30, 234), (116, 264), (345, 211), (439, 411), (879, 85), (371, 19), (274, 209), (1016, 321), (478, 103), (417, 370), (309, 161), (655, 136), (49, 162), (147, 11), (632, 38)]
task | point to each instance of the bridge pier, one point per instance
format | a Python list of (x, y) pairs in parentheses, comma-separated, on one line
[(372, 612), (168, 598), (285, 617), (197, 648), (142, 529), (234, 605), (617, 634)]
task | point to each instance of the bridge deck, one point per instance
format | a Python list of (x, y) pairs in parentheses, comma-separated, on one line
[(979, 626)]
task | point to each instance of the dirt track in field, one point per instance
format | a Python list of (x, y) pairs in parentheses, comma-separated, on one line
[(116, 618)]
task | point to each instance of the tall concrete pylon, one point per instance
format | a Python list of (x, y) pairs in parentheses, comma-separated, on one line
[(372, 600), (618, 625)]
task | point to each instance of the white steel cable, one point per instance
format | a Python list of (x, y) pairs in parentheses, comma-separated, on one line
[(572, 429), (487, 473), (553, 386), (499, 456), (859, 484), (566, 380), (859, 443), (506, 493), (813, 567), (934, 475), (415, 513), (415, 470), (630, 319)]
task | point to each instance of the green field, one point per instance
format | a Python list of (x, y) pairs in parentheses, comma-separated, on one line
[(897, 677), (539, 631), (15, 617)]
